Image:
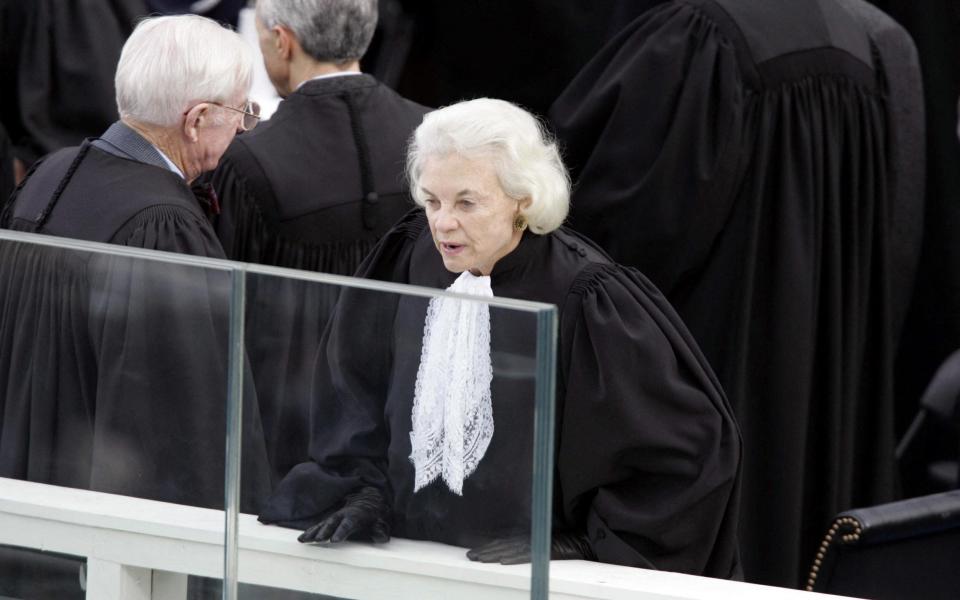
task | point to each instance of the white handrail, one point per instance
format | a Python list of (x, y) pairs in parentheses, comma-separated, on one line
[(140, 549)]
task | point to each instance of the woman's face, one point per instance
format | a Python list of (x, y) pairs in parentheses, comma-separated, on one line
[(471, 218)]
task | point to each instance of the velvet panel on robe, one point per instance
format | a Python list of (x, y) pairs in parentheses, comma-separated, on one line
[(749, 158), (647, 455), (311, 188)]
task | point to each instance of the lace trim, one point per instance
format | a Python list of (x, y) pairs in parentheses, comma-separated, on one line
[(452, 412)]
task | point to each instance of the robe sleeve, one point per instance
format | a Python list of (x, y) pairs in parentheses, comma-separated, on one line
[(349, 433), (650, 130), (649, 452), (171, 229), (161, 337)]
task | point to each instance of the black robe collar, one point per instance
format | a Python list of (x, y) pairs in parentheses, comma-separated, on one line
[(335, 85), (520, 257)]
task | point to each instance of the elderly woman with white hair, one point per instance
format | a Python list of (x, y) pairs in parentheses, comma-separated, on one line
[(648, 453), (135, 351)]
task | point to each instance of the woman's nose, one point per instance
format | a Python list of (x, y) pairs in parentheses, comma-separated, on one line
[(445, 220)]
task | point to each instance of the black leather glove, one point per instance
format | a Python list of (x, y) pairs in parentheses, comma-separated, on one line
[(516, 550), (364, 516)]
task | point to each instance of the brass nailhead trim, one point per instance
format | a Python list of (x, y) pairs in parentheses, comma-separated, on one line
[(847, 538)]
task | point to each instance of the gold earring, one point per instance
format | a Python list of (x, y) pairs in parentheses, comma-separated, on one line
[(519, 223)]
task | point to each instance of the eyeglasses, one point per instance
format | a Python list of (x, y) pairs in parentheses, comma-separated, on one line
[(251, 114), (250, 110)]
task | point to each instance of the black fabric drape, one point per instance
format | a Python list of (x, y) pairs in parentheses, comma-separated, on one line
[(932, 330), (742, 156), (454, 55), (58, 61)]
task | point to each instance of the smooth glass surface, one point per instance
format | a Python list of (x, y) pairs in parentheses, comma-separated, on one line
[(336, 362), (113, 378), (203, 383)]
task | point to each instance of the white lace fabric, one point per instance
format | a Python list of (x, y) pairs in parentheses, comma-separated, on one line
[(452, 409)]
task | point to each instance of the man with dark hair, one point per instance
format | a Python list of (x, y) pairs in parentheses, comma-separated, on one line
[(312, 188)]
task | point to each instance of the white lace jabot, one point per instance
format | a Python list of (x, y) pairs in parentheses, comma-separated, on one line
[(452, 411)]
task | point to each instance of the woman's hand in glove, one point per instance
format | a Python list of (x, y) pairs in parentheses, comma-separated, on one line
[(516, 550), (364, 516)]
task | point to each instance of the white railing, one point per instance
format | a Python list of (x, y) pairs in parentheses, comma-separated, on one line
[(141, 549)]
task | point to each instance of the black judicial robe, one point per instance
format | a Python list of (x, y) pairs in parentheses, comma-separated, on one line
[(317, 184), (451, 54), (647, 454), (113, 373), (312, 188), (760, 162)]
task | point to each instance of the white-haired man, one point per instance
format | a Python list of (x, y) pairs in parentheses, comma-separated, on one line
[(136, 350), (312, 188), (182, 86), (113, 371)]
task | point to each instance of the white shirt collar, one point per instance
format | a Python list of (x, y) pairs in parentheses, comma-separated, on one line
[(173, 167)]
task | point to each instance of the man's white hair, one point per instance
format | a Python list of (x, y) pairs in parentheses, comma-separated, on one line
[(337, 31), (170, 63), (524, 156)]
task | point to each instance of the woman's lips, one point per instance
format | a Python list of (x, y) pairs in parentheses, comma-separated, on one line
[(451, 249)]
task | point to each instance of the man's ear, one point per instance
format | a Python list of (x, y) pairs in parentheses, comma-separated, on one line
[(194, 119), (283, 40)]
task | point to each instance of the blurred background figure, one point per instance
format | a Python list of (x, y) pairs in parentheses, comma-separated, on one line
[(764, 161), (57, 61), (224, 11)]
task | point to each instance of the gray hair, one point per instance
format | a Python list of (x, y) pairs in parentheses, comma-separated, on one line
[(168, 63), (524, 156), (337, 31)]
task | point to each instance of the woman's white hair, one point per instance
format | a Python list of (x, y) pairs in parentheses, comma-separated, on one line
[(524, 156), (170, 63)]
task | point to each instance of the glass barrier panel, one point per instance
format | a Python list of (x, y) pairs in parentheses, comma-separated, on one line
[(113, 378), (397, 411)]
